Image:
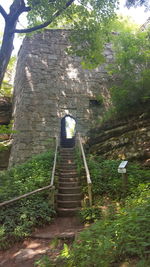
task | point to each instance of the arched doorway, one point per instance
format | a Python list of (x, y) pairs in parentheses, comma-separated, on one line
[(68, 131)]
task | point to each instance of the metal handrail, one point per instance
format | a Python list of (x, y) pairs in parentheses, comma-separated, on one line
[(25, 195), (54, 165), (40, 189), (89, 182)]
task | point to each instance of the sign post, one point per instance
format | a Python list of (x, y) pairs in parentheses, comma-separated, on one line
[(122, 169)]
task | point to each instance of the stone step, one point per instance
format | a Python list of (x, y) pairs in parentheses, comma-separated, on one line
[(66, 174), (66, 165), (69, 180), (67, 149), (69, 197), (67, 156), (71, 153), (69, 190), (69, 204), (67, 161), (68, 184), (67, 168), (63, 212), (67, 152)]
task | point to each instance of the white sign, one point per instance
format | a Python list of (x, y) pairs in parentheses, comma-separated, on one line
[(122, 170), (123, 164)]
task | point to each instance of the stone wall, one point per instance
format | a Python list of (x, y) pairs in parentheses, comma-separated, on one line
[(48, 85)]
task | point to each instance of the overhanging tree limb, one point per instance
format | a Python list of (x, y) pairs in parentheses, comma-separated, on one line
[(45, 24), (17, 11), (3, 12)]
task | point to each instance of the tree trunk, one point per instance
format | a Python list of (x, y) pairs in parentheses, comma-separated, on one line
[(17, 8), (6, 48)]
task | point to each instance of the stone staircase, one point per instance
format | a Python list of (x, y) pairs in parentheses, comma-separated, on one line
[(69, 191)]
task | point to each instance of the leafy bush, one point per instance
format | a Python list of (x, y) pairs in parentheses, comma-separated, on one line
[(107, 180), (131, 67), (108, 242), (18, 219), (44, 262), (90, 214)]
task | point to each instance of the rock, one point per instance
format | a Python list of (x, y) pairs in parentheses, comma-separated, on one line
[(127, 141), (28, 253), (5, 110), (5, 117), (4, 158)]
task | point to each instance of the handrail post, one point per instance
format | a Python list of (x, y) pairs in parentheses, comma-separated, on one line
[(52, 196), (53, 173), (90, 194), (54, 165), (89, 182)]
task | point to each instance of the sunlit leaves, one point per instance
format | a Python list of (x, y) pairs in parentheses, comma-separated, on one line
[(130, 3), (43, 10), (89, 20), (7, 85), (91, 31), (109, 242), (131, 66)]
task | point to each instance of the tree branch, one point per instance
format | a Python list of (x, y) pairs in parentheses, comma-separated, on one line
[(45, 24), (17, 9), (20, 11), (27, 9), (3, 12)]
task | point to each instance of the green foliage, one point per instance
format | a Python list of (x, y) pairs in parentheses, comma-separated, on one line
[(4, 146), (131, 67), (100, 99), (6, 89), (44, 262), (107, 180), (108, 242), (90, 214), (88, 20), (18, 219), (124, 233), (6, 129), (7, 84), (91, 31), (135, 3), (84, 15), (42, 11)]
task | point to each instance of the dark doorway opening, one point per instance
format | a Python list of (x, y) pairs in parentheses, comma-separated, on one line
[(68, 131)]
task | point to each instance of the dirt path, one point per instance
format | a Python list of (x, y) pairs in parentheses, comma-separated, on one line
[(48, 240)]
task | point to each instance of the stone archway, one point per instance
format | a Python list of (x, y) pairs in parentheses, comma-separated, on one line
[(68, 131)]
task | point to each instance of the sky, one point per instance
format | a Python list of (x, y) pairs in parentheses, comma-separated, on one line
[(137, 14)]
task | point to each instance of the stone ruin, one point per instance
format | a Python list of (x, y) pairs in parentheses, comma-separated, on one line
[(49, 84)]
